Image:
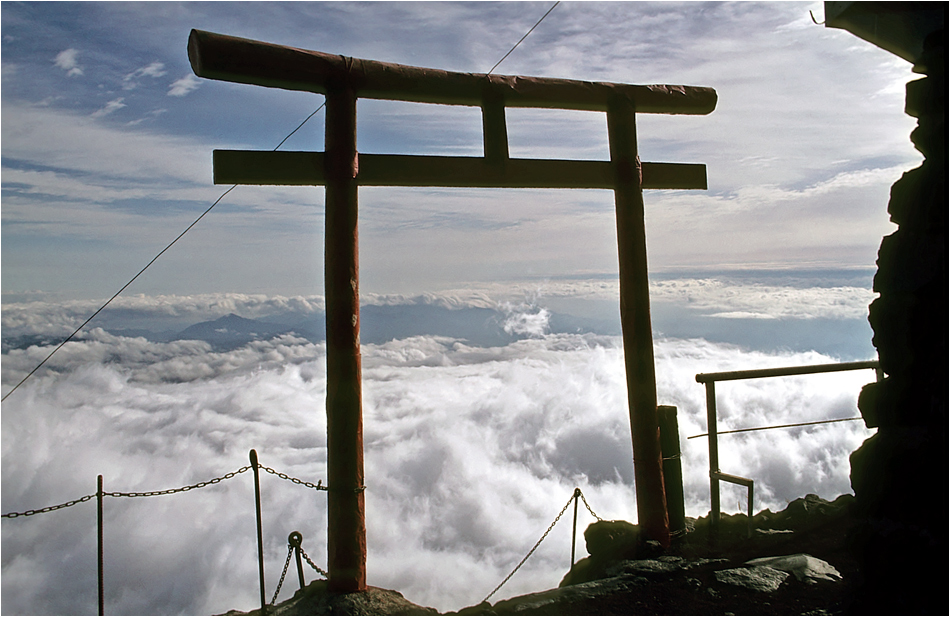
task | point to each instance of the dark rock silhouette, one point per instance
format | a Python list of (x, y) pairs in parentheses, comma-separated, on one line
[(797, 562), (607, 543), (899, 475), (315, 599)]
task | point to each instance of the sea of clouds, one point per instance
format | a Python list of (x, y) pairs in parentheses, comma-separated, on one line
[(470, 454)]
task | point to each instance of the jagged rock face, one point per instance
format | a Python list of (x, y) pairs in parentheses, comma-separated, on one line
[(893, 473)]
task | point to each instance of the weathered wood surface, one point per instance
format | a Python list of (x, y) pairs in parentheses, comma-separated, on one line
[(635, 322), (306, 169), (228, 58), (346, 507)]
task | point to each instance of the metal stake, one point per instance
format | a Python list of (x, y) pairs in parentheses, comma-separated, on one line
[(102, 605), (260, 531), (577, 493), (295, 539)]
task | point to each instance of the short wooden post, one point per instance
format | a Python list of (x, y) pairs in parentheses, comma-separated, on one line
[(346, 523), (672, 467), (494, 127), (635, 320)]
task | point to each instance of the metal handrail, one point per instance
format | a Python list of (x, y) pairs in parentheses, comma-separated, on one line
[(789, 370), (710, 379)]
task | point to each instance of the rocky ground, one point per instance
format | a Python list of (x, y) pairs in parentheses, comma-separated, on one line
[(700, 574)]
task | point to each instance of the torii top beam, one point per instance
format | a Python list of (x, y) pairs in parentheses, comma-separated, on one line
[(228, 58)]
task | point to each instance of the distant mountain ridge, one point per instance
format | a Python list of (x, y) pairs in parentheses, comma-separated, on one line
[(485, 327), (232, 331)]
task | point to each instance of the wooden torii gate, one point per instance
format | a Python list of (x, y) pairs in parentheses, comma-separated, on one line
[(341, 170)]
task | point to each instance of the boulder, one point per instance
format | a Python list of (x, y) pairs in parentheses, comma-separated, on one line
[(806, 568), (607, 542), (612, 540), (755, 578)]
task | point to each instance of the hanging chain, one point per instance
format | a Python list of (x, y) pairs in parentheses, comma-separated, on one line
[(587, 505), (290, 552), (172, 491), (169, 491), (49, 508), (323, 572), (317, 487), (550, 527)]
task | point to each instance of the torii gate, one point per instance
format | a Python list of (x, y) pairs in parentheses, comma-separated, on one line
[(341, 170)]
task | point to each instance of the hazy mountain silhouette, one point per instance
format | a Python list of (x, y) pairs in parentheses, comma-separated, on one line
[(232, 331)]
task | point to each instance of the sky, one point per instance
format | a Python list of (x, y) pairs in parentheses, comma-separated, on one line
[(108, 135), (493, 381)]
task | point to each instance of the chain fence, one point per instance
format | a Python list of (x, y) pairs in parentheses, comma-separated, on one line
[(294, 542), (68, 504), (170, 491), (577, 493), (100, 494), (295, 539)]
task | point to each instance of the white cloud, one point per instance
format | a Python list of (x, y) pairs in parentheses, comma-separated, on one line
[(155, 69), (470, 453), (720, 299), (54, 138), (110, 107), (68, 61), (185, 85), (784, 148), (526, 320)]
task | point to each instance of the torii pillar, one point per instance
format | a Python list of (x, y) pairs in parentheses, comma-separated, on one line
[(342, 171)]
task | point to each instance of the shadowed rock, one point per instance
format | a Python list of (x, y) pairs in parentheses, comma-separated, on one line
[(314, 599)]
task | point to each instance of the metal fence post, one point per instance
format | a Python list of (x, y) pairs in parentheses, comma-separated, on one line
[(102, 606), (295, 539), (711, 428), (260, 532), (577, 493)]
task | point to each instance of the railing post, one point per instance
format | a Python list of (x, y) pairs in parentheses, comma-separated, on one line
[(711, 428), (260, 529), (102, 605), (749, 503)]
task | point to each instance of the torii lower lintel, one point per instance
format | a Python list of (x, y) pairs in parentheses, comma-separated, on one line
[(287, 168), (342, 171)]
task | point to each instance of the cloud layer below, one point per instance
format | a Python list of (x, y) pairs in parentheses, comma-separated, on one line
[(470, 453)]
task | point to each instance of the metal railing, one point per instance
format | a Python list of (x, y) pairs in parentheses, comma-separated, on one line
[(710, 379)]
